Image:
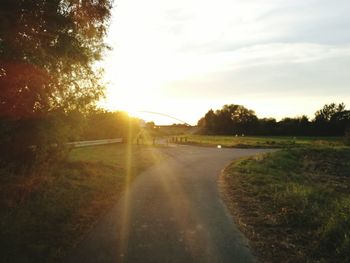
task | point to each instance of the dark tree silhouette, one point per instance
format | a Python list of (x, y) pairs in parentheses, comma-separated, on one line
[(328, 111), (331, 120), (47, 52), (231, 119)]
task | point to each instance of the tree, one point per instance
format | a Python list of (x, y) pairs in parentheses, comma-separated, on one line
[(243, 120), (332, 119), (47, 54), (47, 51), (209, 122), (102, 124), (328, 111), (230, 119), (267, 126), (224, 124)]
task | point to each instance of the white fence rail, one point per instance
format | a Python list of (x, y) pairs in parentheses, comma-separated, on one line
[(95, 142)]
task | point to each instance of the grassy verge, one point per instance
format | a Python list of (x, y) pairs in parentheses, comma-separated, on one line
[(65, 204), (293, 204), (261, 142)]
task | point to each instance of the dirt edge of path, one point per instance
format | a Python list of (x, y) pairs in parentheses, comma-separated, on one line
[(251, 221)]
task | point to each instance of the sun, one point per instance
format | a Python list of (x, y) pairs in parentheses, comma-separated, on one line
[(123, 99), (132, 92)]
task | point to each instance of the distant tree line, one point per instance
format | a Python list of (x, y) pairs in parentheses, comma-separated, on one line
[(332, 120)]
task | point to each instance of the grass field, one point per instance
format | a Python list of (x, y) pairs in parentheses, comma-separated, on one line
[(58, 208), (293, 204), (261, 142)]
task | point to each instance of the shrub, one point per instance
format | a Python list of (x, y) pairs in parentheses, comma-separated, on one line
[(347, 137)]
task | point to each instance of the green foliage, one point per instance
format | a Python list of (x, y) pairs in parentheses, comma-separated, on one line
[(306, 190), (328, 111), (101, 124), (336, 234), (47, 73), (303, 206), (347, 136), (231, 119), (331, 120), (47, 51), (34, 143), (45, 224), (262, 141)]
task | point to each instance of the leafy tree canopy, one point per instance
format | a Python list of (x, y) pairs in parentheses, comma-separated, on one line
[(47, 51), (48, 77), (328, 111)]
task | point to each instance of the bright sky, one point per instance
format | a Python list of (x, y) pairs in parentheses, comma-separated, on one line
[(181, 58)]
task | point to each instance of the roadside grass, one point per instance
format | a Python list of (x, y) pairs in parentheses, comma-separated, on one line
[(261, 141), (293, 204), (66, 203)]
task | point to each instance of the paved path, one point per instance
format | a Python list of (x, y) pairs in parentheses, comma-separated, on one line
[(171, 213)]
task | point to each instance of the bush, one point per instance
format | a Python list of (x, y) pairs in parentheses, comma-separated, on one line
[(347, 137), (30, 145), (335, 241)]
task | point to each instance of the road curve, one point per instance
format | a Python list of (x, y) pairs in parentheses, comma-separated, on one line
[(171, 213)]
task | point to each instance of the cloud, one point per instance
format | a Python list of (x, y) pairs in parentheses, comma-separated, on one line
[(273, 69), (245, 23), (231, 49)]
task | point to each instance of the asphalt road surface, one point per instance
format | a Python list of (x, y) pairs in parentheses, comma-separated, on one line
[(171, 213)]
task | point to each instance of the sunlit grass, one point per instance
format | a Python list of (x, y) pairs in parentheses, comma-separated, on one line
[(261, 141), (66, 203), (294, 204)]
